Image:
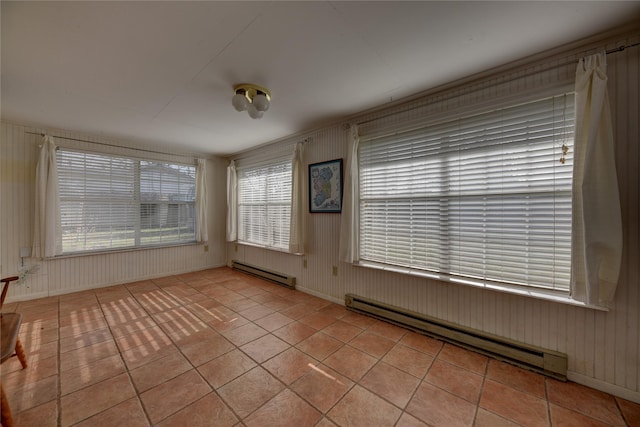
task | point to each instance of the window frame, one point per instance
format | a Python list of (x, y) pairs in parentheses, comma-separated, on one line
[(134, 199), (279, 234), (390, 130)]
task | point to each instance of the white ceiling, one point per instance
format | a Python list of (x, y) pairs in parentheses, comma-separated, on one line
[(163, 72)]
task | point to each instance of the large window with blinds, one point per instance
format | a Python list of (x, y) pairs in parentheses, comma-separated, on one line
[(264, 203), (115, 202), (481, 198)]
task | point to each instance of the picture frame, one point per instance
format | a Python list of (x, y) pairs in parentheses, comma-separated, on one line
[(325, 187)]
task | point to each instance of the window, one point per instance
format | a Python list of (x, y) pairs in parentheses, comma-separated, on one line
[(478, 198), (114, 202), (264, 203)]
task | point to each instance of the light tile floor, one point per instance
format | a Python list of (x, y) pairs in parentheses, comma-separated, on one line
[(220, 348)]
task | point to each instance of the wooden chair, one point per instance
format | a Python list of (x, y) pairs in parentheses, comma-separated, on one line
[(10, 345)]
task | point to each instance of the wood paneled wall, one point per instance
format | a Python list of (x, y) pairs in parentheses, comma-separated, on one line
[(19, 147), (603, 347)]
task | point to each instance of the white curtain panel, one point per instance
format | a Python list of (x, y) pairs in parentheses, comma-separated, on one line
[(350, 220), (47, 231), (296, 230), (596, 218), (232, 202), (202, 234)]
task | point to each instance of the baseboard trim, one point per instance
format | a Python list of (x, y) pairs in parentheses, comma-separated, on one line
[(320, 295), (624, 393), (58, 292)]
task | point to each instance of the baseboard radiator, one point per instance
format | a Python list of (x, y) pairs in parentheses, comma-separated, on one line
[(274, 276), (536, 359)]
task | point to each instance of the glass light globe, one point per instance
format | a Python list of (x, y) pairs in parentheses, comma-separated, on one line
[(240, 102), (253, 112), (261, 102)]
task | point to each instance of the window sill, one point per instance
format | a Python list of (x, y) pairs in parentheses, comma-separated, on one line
[(531, 292), (121, 250), (269, 248)]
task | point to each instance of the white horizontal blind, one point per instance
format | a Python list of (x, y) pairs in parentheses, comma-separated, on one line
[(264, 203), (482, 197), (114, 202)]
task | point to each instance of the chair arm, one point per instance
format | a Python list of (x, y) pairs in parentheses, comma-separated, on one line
[(5, 288)]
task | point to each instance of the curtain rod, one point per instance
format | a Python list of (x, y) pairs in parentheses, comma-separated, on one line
[(520, 76), (115, 146)]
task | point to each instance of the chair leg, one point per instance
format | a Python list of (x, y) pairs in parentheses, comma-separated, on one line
[(21, 356), (5, 411)]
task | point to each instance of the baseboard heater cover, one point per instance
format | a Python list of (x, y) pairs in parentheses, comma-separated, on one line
[(274, 276), (547, 362)]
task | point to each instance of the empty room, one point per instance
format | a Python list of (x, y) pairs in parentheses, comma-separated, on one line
[(320, 213)]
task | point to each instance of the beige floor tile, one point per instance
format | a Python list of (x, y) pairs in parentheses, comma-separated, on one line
[(45, 415), (363, 408), (290, 365), (437, 407), (485, 418), (86, 375), (128, 413), (94, 399), (351, 362), (226, 368), (273, 321), (517, 378), (84, 340), (294, 332), (455, 380), (244, 334), (90, 353), (373, 344), (409, 360), (206, 412), (319, 345), (207, 349), (422, 343), (567, 418), (322, 387), (514, 405), (26, 396), (159, 371), (407, 420), (248, 392), (630, 411), (264, 348), (317, 320), (286, 409), (390, 383), (342, 331), (387, 330), (174, 395), (584, 400)]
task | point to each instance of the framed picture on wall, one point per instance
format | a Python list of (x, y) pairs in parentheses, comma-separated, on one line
[(325, 187)]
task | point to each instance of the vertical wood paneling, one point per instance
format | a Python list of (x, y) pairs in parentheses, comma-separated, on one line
[(603, 347)]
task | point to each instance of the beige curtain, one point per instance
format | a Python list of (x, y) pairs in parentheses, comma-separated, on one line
[(232, 202), (47, 230), (596, 219), (202, 234), (350, 220), (296, 230)]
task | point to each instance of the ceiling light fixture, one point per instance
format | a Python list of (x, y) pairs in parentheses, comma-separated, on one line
[(251, 98)]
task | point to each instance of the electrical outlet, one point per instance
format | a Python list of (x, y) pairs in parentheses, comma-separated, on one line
[(304, 263), (235, 247), (206, 248), (335, 270)]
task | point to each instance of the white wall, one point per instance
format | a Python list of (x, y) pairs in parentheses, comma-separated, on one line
[(602, 347), (18, 158)]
